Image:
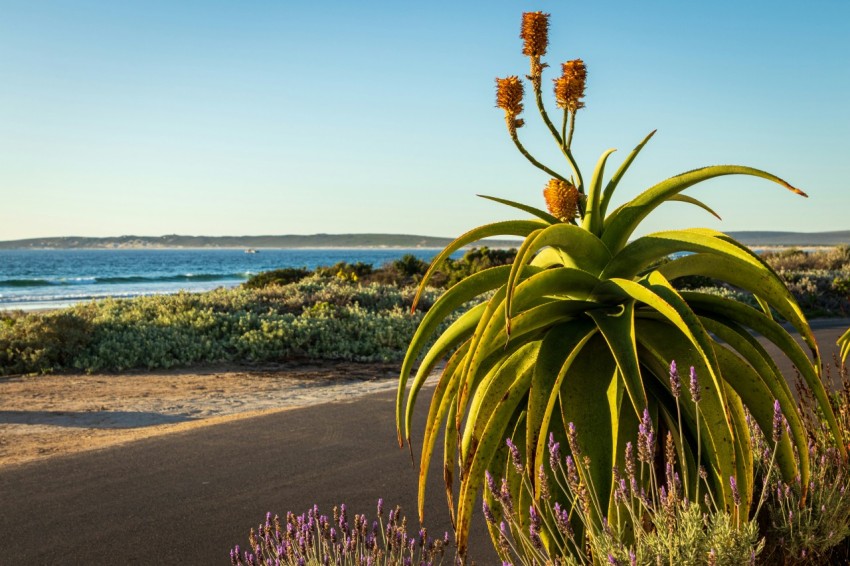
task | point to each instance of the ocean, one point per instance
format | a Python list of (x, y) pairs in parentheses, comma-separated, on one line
[(46, 279)]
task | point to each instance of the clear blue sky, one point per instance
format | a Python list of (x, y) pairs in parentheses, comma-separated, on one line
[(246, 117)]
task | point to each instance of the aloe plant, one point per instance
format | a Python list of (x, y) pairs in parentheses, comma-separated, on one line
[(582, 326)]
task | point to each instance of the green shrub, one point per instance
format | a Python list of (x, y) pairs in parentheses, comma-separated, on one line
[(42, 343), (793, 259), (277, 277)]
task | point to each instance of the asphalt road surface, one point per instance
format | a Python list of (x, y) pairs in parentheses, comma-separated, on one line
[(187, 498)]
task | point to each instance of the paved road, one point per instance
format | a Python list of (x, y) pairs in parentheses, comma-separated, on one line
[(187, 498)]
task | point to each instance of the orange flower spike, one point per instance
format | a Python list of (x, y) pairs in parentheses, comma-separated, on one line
[(534, 33), (570, 86), (561, 199), (509, 93)]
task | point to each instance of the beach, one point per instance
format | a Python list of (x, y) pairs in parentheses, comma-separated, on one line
[(52, 415)]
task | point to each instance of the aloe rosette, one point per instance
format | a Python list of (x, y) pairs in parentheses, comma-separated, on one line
[(581, 328)]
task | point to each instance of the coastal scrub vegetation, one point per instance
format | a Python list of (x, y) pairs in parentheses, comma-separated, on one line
[(350, 312), (262, 321), (577, 333)]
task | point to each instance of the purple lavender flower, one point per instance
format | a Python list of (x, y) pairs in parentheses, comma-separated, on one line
[(554, 452), (646, 438), (534, 517), (572, 439), (694, 386), (613, 561), (488, 513), (491, 484), (736, 497), (621, 492), (777, 421), (534, 528), (503, 537), (543, 482), (380, 507), (675, 381), (632, 558), (505, 497), (572, 474), (515, 457)]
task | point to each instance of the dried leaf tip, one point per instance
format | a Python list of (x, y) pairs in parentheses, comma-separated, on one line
[(509, 93), (534, 33), (570, 86), (561, 199)]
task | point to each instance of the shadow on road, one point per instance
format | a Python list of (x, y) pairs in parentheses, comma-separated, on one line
[(91, 419)]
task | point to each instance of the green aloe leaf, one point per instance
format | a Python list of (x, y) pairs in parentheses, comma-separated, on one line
[(844, 343), (458, 332), (769, 375), (592, 221), (757, 398), (695, 202), (743, 453), (746, 316), (584, 402), (542, 214), (492, 388), (441, 402), (579, 248), (750, 277), (493, 436), (466, 290), (649, 249), (558, 344), (619, 332), (664, 342), (521, 228), (622, 223), (615, 179), (576, 335)]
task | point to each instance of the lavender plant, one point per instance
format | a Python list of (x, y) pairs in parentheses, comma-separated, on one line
[(580, 327), (340, 540), (655, 519), (810, 524)]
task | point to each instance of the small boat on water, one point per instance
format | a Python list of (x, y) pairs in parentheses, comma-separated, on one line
[(251, 251)]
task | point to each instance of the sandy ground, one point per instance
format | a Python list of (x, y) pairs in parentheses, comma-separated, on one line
[(44, 416)]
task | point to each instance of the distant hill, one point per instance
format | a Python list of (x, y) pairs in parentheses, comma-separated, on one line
[(288, 241), (750, 238), (793, 238)]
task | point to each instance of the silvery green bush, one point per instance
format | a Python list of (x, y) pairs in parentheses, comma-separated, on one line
[(316, 318)]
